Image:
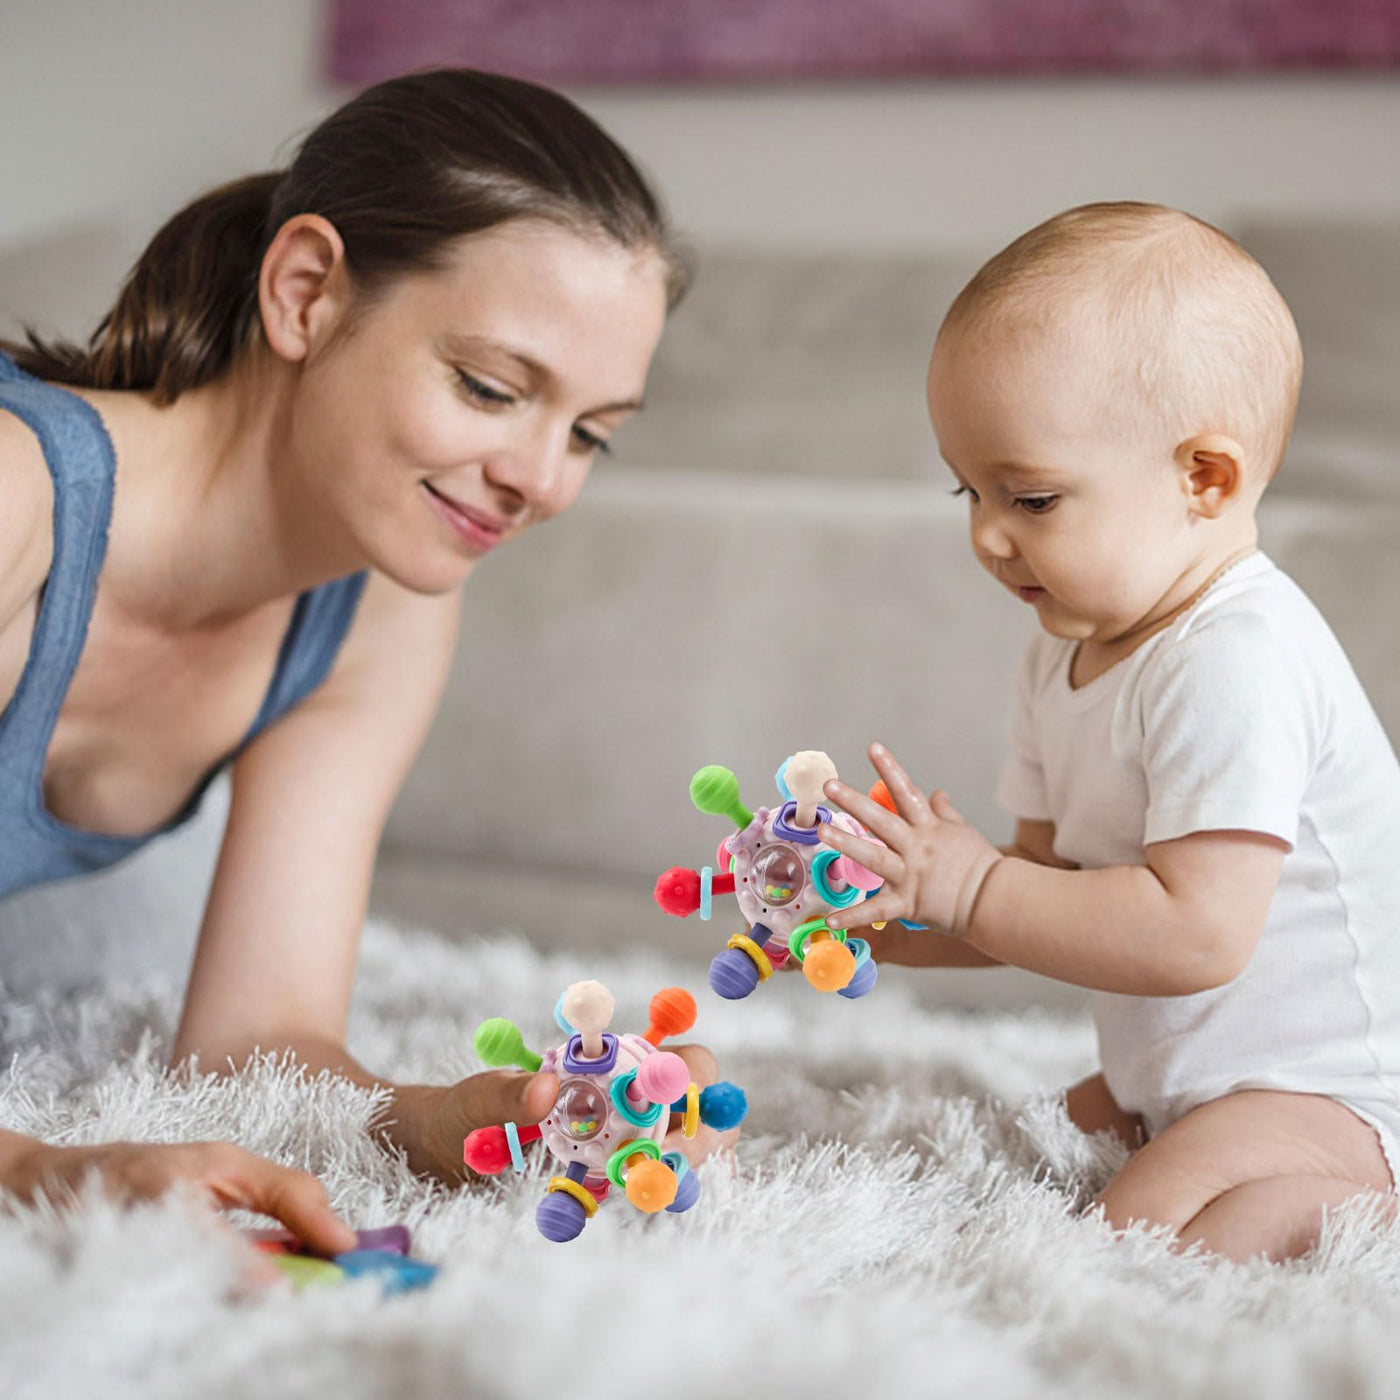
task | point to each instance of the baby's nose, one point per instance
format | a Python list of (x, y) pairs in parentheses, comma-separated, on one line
[(992, 542)]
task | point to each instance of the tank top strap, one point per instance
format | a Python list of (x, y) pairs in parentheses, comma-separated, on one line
[(82, 468), (320, 620)]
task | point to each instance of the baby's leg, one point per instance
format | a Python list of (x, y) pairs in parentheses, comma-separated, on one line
[(1093, 1109), (1250, 1173)]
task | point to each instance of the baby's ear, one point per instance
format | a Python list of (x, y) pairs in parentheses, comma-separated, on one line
[(1212, 472)]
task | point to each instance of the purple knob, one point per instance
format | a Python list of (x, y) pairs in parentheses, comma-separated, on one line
[(559, 1217)]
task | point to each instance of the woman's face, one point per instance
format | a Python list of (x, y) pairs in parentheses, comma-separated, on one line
[(465, 404)]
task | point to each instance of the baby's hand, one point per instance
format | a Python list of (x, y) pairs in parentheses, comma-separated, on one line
[(130, 1171), (933, 863)]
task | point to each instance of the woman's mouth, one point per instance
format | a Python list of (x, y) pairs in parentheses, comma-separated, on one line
[(473, 527), (1030, 595)]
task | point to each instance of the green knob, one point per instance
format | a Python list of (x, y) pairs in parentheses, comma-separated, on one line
[(714, 789), (499, 1042)]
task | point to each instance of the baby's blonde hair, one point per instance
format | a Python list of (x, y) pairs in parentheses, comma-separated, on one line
[(1191, 326)]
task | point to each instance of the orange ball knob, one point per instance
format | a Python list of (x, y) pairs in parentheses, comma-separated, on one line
[(672, 1012), (830, 965), (651, 1186)]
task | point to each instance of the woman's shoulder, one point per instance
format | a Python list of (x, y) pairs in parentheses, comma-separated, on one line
[(26, 523)]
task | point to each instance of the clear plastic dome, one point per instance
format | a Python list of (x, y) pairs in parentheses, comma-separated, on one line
[(778, 876), (582, 1108)]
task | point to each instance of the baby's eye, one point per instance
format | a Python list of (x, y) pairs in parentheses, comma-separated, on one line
[(591, 442), (963, 491), (484, 394), (1036, 505)]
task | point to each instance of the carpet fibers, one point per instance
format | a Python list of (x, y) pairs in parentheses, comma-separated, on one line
[(903, 1217)]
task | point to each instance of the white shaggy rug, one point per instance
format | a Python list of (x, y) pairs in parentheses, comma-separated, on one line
[(903, 1220)]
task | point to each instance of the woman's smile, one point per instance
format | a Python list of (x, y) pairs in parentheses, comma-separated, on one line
[(476, 528)]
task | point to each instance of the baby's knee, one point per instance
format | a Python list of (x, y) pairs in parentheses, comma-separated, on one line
[(1153, 1198)]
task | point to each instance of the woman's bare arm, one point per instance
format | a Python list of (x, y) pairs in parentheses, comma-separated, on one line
[(276, 959)]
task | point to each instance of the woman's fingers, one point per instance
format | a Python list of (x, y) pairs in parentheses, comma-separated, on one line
[(226, 1174), (295, 1198), (700, 1061), (704, 1070), (500, 1096)]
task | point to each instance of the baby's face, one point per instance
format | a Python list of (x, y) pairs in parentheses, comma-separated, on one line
[(1072, 507)]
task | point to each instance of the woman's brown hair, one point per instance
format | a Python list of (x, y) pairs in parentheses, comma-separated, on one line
[(401, 170)]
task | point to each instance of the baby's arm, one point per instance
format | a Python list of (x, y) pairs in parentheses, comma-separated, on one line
[(1185, 921)]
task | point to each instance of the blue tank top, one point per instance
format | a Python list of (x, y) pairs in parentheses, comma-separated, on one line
[(34, 845)]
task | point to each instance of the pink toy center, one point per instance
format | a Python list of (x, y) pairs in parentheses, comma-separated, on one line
[(581, 1110), (778, 876)]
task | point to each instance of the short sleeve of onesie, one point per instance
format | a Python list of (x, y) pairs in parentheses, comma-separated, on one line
[(1232, 724), (1021, 790)]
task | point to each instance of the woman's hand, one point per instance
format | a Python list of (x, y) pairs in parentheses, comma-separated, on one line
[(933, 863), (138, 1171), (430, 1123)]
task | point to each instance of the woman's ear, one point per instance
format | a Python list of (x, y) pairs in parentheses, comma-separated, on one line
[(1211, 468), (303, 286)]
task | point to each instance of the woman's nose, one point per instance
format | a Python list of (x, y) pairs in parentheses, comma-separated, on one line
[(530, 469)]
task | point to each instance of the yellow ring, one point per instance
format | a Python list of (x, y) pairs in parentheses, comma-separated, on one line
[(580, 1193), (757, 956), (690, 1124)]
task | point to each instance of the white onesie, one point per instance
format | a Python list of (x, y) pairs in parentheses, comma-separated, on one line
[(1243, 715)]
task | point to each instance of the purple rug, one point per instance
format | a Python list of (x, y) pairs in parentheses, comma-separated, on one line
[(654, 41)]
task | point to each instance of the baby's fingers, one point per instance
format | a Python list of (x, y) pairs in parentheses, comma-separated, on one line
[(297, 1199), (884, 906), (908, 797), (878, 859), (884, 823)]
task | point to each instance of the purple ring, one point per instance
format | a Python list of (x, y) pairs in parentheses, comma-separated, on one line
[(576, 1064), (803, 835)]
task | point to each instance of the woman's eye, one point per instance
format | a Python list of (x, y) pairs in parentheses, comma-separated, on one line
[(591, 442), (484, 393), (1036, 505), (963, 491)]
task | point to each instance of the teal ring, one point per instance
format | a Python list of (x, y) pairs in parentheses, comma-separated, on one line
[(677, 1163), (838, 899), (707, 892), (619, 1098), (517, 1157), (560, 1019)]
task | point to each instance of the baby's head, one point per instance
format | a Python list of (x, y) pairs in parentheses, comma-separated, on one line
[(1114, 390)]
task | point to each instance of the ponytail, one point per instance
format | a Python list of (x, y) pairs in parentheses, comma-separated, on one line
[(185, 310)]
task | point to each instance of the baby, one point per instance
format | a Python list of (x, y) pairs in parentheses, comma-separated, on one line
[(1208, 810)]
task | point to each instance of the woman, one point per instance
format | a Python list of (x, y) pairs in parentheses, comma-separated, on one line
[(322, 396)]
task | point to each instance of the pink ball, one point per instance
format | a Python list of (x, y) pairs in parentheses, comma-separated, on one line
[(663, 1077)]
